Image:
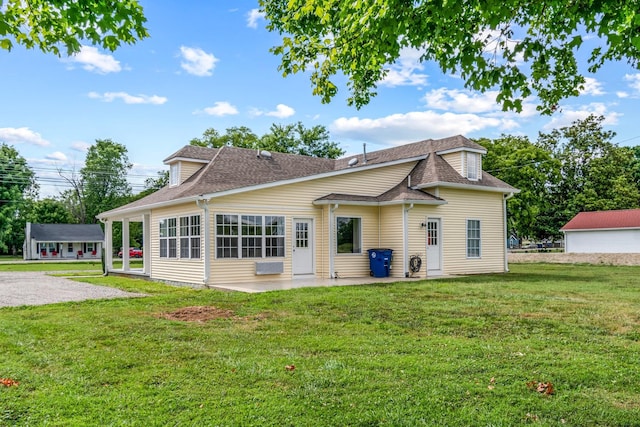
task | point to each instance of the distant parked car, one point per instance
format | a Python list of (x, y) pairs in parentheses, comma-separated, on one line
[(133, 253)]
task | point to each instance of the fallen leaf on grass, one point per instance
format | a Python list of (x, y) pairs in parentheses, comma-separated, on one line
[(541, 387), (290, 367), (8, 382)]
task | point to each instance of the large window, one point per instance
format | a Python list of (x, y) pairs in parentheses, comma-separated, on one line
[(168, 242), (472, 166), (190, 236), (473, 238), (348, 235), (249, 236)]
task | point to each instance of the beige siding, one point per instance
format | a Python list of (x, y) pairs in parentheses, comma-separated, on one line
[(392, 236), (456, 161), (357, 265), (463, 205), (187, 169), (418, 234), (176, 269)]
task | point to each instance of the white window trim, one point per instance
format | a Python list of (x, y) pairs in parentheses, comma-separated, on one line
[(189, 236), (239, 236), (466, 235), (336, 237)]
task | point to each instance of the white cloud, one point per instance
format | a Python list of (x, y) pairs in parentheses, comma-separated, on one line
[(129, 99), (622, 94), (404, 71), (465, 101), (221, 108), (568, 116), (197, 62), (282, 112), (399, 129), (634, 81), (81, 146), (253, 16), (22, 135), (92, 60), (57, 156), (591, 86)]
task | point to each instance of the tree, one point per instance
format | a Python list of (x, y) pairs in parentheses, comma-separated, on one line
[(51, 24), (17, 187), (291, 138), (595, 174), (49, 211), (528, 167), (521, 48), (104, 177)]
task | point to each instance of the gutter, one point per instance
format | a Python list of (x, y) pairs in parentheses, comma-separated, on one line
[(332, 273), (405, 238), (204, 205)]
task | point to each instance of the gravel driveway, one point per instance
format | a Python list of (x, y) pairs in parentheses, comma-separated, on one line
[(37, 288)]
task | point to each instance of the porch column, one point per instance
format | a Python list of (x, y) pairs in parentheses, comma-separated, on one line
[(146, 243), (125, 244), (108, 245)]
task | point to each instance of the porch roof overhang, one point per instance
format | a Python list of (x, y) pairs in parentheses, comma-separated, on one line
[(358, 200), (461, 186)]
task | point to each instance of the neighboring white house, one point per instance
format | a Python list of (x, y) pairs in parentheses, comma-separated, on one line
[(60, 241), (603, 232)]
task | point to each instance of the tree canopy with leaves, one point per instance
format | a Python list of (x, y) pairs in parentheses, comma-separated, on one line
[(291, 138), (51, 24), (521, 48), (104, 177), (17, 187)]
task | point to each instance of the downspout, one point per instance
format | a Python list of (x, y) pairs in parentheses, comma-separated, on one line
[(506, 248), (204, 205), (405, 230), (332, 273)]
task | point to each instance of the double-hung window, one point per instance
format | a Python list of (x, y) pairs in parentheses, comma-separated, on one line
[(473, 238), (348, 235), (249, 236), (168, 242), (190, 236)]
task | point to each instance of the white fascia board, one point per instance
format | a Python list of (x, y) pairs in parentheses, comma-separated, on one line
[(132, 212), (311, 177), (601, 229), (185, 159), (458, 149), (456, 185)]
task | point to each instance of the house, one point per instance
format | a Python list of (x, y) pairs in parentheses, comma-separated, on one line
[(62, 241), (237, 215), (616, 231)]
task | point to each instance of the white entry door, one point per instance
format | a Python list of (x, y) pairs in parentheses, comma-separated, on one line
[(302, 258), (434, 247)]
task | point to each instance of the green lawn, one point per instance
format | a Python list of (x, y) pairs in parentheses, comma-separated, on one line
[(440, 352), (63, 266)]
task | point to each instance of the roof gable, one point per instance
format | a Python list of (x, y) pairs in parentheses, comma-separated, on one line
[(627, 218)]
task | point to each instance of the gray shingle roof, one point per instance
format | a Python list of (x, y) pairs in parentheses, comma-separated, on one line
[(231, 168), (67, 232)]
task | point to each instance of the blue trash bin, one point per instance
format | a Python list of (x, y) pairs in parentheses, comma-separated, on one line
[(380, 262)]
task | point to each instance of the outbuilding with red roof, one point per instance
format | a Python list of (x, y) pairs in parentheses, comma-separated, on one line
[(616, 231)]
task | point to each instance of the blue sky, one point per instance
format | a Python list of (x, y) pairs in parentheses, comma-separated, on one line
[(207, 64)]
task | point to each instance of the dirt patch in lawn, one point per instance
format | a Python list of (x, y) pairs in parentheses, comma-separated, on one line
[(562, 258), (205, 313), (198, 314)]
